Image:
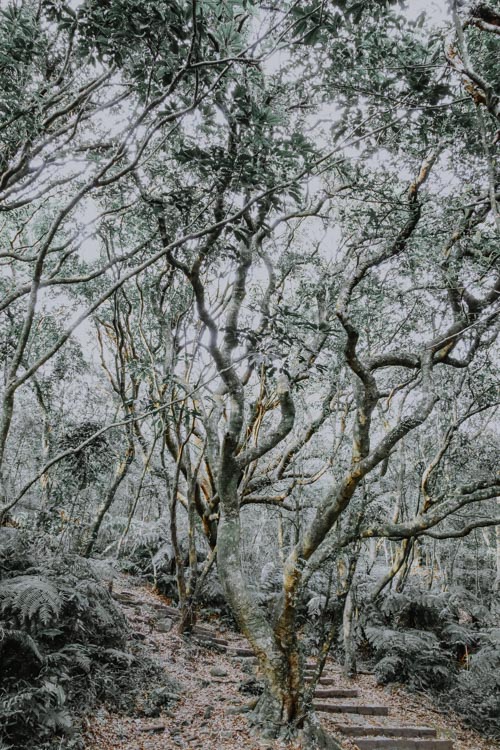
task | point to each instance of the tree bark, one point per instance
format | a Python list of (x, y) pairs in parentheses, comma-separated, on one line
[(348, 619), (120, 474)]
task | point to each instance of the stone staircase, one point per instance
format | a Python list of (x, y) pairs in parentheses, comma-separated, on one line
[(357, 720), (345, 702)]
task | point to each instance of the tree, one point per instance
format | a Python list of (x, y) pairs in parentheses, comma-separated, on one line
[(239, 131)]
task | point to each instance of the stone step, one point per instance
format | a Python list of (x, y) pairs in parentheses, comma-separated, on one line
[(323, 680), (351, 708), (240, 651), (125, 597), (336, 693), (167, 610), (211, 639), (383, 743), (154, 728), (203, 630), (162, 609), (354, 731)]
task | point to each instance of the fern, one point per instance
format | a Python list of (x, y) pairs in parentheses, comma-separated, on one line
[(390, 669), (456, 635), (30, 599), (63, 647), (44, 704), (477, 692), (118, 657), (454, 653), (410, 656), (271, 579), (22, 640), (73, 656), (316, 605)]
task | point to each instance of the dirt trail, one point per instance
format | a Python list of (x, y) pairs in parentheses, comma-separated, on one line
[(206, 717)]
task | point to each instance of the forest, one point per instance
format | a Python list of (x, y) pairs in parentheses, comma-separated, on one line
[(249, 404)]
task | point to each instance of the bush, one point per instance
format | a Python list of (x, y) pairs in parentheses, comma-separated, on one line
[(411, 656), (63, 647), (442, 644), (476, 694)]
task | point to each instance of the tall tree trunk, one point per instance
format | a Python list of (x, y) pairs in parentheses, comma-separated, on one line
[(45, 482), (120, 474), (496, 585), (188, 604), (350, 667)]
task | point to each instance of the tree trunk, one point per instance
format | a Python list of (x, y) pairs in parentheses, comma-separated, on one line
[(283, 710), (120, 474), (350, 667), (188, 606), (496, 586)]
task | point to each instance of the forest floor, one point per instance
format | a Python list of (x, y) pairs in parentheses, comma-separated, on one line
[(208, 714)]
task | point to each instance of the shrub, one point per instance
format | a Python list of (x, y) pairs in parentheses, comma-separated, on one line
[(63, 647), (440, 643), (410, 656)]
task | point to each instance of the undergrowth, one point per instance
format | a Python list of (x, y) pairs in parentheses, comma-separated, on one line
[(64, 647), (445, 644)]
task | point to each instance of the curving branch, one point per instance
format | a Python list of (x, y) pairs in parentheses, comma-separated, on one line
[(279, 434)]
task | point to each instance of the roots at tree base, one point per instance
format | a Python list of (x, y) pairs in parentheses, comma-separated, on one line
[(267, 718)]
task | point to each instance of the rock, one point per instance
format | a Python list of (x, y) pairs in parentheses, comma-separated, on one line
[(159, 698), (153, 728), (251, 687), (164, 626), (151, 711), (218, 672), (136, 636), (208, 712)]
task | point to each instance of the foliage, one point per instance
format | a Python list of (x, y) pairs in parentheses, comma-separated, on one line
[(476, 694), (410, 656), (85, 465), (147, 555), (443, 644), (63, 646)]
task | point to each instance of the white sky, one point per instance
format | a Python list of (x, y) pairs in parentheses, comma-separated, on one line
[(436, 9)]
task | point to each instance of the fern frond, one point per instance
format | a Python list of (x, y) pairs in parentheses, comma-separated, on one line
[(458, 635), (23, 640), (30, 598), (72, 656)]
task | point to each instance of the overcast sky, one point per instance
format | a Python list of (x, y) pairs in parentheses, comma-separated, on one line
[(434, 8), (437, 9)]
